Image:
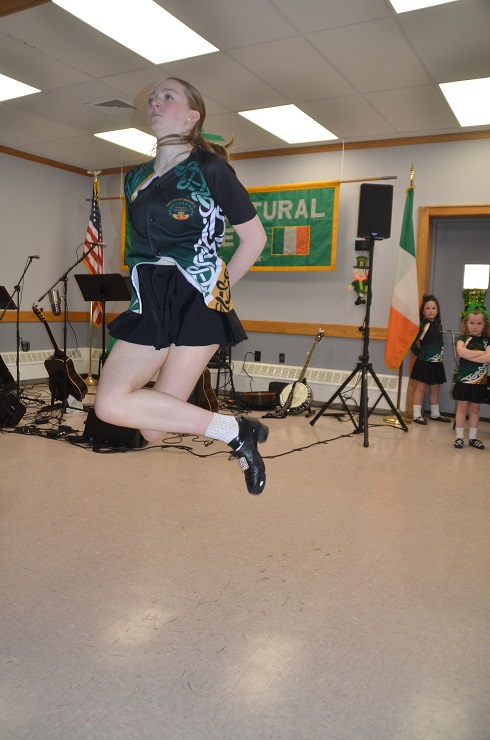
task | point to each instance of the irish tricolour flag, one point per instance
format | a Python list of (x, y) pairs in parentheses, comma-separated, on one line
[(403, 323), (291, 240)]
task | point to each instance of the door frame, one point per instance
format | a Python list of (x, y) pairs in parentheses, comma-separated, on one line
[(426, 216)]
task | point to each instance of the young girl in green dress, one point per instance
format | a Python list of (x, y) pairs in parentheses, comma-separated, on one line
[(470, 388)]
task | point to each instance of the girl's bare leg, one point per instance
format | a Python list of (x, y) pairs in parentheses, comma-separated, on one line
[(460, 417), (474, 415), (175, 382), (419, 393), (122, 400), (434, 394)]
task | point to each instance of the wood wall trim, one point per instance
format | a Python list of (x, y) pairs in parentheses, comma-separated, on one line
[(318, 149), (356, 145), (343, 331), (13, 6), (42, 160)]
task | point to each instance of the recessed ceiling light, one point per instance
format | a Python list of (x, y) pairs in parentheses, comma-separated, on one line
[(10, 88), (469, 100), (142, 26), (131, 138), (289, 123), (403, 6)]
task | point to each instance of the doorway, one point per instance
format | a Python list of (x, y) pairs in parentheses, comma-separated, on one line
[(432, 219), (456, 243)]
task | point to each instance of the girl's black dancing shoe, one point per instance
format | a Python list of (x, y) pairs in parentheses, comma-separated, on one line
[(250, 432)]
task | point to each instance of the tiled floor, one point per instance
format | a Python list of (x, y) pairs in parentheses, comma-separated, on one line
[(146, 595)]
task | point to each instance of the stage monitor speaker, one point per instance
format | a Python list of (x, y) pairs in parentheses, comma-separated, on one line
[(7, 382), (108, 435), (11, 410), (375, 206)]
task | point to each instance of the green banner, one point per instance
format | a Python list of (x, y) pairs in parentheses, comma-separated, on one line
[(301, 226)]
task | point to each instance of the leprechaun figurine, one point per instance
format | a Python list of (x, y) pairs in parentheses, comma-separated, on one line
[(360, 282)]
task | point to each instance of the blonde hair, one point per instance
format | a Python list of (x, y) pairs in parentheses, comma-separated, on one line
[(475, 312)]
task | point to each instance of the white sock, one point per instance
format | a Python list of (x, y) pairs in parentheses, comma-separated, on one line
[(417, 411), (222, 427), (472, 433), (459, 433), (434, 411)]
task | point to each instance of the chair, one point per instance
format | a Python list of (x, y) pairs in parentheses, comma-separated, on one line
[(221, 362)]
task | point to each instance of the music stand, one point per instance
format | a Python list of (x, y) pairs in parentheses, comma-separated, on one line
[(8, 304), (102, 288), (6, 300)]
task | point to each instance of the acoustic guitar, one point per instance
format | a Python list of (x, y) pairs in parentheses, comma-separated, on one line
[(203, 394), (298, 396), (59, 367)]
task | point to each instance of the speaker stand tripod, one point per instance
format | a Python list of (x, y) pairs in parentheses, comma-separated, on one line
[(364, 368)]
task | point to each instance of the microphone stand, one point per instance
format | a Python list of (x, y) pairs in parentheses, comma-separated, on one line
[(17, 289), (64, 280)]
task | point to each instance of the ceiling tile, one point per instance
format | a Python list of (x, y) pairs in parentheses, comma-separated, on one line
[(232, 23), (414, 109), (278, 62), (316, 15), (350, 117), (364, 53), (453, 44)]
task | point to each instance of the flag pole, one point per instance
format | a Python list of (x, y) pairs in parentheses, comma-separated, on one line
[(90, 380), (393, 420)]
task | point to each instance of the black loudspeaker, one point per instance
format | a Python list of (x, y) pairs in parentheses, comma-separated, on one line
[(7, 383), (375, 206), (11, 410), (98, 432)]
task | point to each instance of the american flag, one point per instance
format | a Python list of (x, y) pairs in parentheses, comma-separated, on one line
[(95, 259)]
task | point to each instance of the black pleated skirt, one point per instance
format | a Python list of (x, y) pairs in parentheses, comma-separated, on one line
[(432, 373), (475, 393), (174, 312)]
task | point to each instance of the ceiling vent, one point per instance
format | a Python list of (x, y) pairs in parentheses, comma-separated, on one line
[(113, 103)]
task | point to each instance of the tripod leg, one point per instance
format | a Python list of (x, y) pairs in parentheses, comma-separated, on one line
[(388, 399), (337, 393), (363, 407)]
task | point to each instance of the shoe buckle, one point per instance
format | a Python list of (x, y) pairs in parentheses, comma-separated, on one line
[(243, 464)]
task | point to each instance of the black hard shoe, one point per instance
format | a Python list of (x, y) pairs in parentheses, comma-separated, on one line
[(476, 443), (420, 420), (250, 432), (442, 418)]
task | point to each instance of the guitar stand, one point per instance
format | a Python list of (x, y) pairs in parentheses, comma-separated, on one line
[(364, 367), (64, 279)]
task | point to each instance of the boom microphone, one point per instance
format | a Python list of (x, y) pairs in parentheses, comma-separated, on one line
[(34, 256), (54, 299), (98, 244)]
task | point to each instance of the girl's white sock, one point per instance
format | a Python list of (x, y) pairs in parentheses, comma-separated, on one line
[(222, 427)]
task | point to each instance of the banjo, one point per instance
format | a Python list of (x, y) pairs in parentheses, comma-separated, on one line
[(297, 397)]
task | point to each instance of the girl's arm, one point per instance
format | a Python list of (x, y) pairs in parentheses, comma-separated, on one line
[(252, 241), (474, 355)]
